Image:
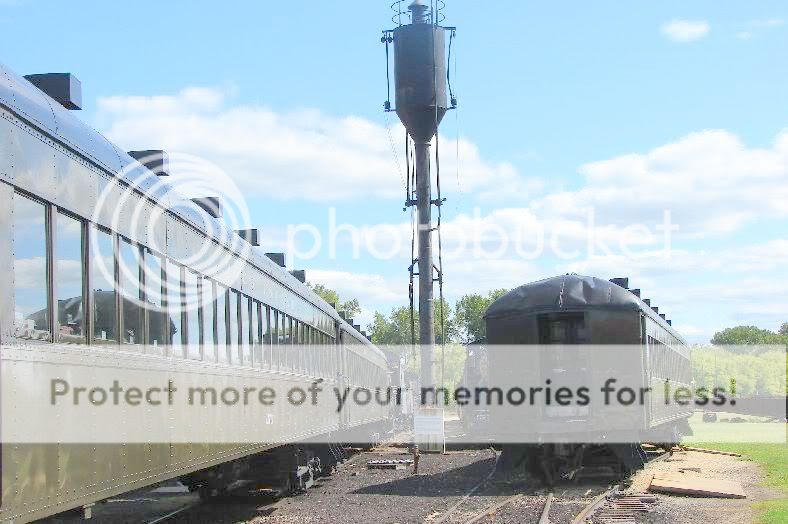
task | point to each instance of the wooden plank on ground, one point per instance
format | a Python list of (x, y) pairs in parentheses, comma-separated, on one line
[(697, 486), (713, 451)]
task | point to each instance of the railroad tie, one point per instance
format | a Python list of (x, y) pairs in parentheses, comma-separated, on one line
[(621, 509)]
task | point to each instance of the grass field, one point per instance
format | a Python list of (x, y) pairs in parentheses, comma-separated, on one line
[(773, 458)]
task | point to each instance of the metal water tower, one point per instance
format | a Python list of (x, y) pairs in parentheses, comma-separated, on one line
[(421, 101)]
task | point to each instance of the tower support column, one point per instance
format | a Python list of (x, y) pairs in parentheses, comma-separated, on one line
[(426, 298)]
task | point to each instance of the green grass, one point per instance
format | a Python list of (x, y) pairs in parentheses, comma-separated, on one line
[(773, 458)]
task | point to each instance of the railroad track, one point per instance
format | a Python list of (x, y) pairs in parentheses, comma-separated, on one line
[(173, 514), (627, 502), (619, 507)]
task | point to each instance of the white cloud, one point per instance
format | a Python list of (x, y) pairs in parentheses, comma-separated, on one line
[(713, 185), (30, 273), (710, 182), (741, 300), (683, 31), (367, 288), (768, 22), (303, 154), (754, 27)]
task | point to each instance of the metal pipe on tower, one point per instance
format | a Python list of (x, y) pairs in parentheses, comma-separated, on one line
[(421, 103)]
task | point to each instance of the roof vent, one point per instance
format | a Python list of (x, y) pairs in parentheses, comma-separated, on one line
[(250, 235), (357, 327), (669, 321), (635, 292), (663, 316), (647, 301), (341, 314), (656, 309), (63, 88), (278, 258), (154, 159), (300, 275), (210, 205), (621, 282)]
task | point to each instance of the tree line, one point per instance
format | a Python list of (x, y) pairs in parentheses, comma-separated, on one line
[(461, 323), (739, 351), (749, 354), (456, 325)]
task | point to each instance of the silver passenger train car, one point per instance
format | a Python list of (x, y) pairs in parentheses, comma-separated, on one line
[(56, 306)]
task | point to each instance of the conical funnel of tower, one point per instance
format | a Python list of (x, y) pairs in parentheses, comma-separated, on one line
[(420, 73)]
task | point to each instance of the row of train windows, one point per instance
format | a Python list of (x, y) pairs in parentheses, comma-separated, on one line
[(362, 372), (138, 297), (667, 363)]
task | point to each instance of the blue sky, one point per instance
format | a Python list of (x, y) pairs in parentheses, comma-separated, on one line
[(662, 105)]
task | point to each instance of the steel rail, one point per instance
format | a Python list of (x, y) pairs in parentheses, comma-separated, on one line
[(600, 499), (172, 514)]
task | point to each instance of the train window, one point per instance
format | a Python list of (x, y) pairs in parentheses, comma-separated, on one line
[(322, 355), (221, 324), (296, 350), (257, 333), (175, 308), (31, 310), (284, 357), (246, 330), (154, 301), (310, 351), (284, 340), (234, 303), (267, 337), (292, 357), (275, 334), (103, 282), (191, 309), (314, 351), (208, 319), (280, 337), (129, 279), (318, 352), (69, 278), (307, 349)]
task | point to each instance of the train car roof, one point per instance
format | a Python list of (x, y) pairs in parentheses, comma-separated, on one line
[(36, 108), (570, 291)]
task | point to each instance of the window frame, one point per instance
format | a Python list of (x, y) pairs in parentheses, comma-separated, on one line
[(83, 254)]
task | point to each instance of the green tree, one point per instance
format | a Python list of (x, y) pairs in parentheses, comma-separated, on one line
[(759, 374), (393, 329), (784, 329), (396, 327), (329, 295), (453, 364), (351, 308), (469, 315), (746, 336)]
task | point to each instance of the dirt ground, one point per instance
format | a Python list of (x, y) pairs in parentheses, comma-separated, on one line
[(677, 509), (442, 492), (450, 488), (357, 494)]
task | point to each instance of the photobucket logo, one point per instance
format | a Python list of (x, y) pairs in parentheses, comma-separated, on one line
[(161, 228), (513, 234)]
